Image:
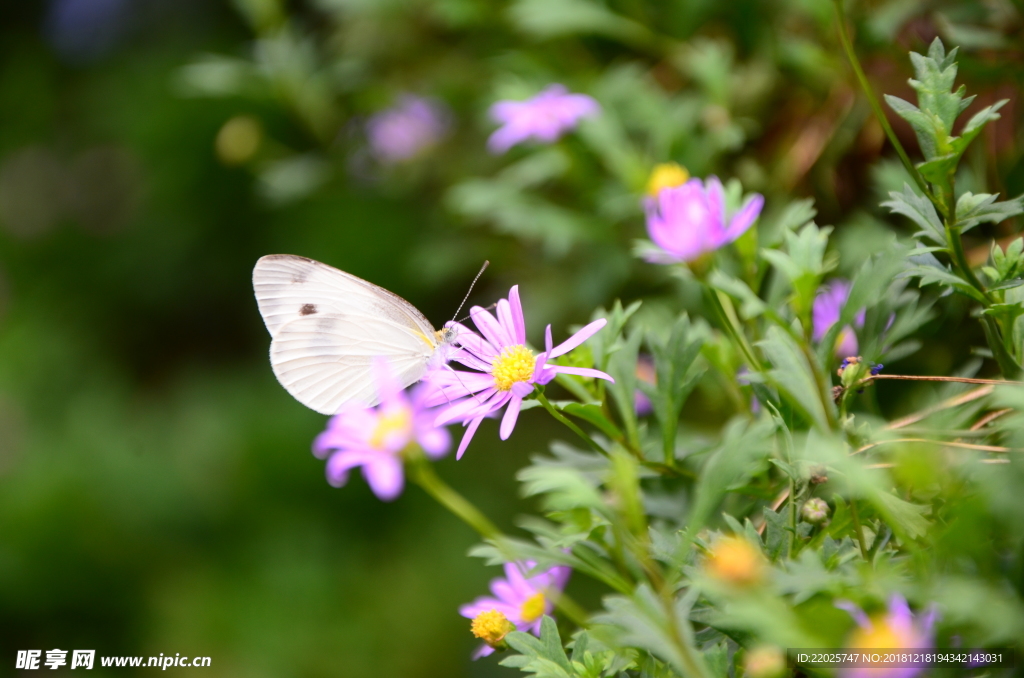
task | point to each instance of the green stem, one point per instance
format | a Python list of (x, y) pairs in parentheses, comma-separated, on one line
[(824, 386), (422, 473), (715, 298), (876, 107), (859, 531), (546, 404)]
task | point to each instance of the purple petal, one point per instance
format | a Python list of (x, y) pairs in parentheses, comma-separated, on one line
[(847, 345), (576, 339), (434, 441), (714, 198), (855, 612), (504, 311), (521, 389), (508, 422), (484, 650), (745, 218), (468, 436), (340, 463), (474, 343), (581, 372), (491, 330), (384, 475), (518, 322)]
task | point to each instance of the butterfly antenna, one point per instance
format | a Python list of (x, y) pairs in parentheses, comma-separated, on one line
[(470, 291), (486, 308)]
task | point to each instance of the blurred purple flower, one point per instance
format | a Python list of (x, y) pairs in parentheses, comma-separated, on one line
[(407, 129), (523, 600), (828, 304), (375, 437), (644, 372), (507, 369), (545, 117), (689, 220), (898, 628), (82, 30)]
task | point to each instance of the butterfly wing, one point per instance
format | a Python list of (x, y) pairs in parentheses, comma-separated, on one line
[(329, 326), (289, 287), (326, 361)]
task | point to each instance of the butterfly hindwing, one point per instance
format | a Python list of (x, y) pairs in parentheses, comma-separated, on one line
[(326, 361)]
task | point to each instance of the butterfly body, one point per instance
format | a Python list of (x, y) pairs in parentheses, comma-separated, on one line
[(328, 327)]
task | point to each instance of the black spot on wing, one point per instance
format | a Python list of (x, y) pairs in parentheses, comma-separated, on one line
[(307, 309)]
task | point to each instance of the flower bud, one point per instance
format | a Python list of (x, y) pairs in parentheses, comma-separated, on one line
[(492, 627), (766, 661), (666, 175), (735, 560), (814, 510)]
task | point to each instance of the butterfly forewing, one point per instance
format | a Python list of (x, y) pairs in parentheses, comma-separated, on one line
[(289, 287)]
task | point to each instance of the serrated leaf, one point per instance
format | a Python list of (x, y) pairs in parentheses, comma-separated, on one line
[(792, 374), (919, 210)]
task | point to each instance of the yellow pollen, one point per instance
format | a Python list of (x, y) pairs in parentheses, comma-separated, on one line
[(666, 175), (388, 423), (533, 608), (880, 635), (736, 561), (513, 364), (491, 627)]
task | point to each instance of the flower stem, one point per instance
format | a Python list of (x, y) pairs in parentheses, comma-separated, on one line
[(546, 404), (715, 298), (422, 473), (876, 107), (858, 530)]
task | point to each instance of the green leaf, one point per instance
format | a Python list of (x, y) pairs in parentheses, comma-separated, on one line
[(553, 18), (906, 519), (919, 210), (972, 210), (677, 373), (776, 534), (751, 305), (622, 368), (793, 376)]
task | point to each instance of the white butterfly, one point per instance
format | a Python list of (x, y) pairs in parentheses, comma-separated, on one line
[(329, 326)]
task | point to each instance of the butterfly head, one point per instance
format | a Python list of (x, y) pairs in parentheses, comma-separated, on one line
[(447, 334)]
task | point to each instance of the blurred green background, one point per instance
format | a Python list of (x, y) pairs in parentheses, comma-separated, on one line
[(157, 493)]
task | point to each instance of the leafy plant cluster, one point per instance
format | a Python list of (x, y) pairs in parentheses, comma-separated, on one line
[(836, 498)]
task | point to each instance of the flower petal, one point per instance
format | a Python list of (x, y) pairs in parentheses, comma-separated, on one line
[(581, 372), (468, 436), (745, 218), (384, 475), (508, 422), (518, 322), (577, 339), (491, 330)]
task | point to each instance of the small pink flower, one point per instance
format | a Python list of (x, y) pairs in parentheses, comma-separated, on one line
[(523, 600), (828, 304), (375, 437), (545, 117), (690, 220), (898, 628), (506, 369)]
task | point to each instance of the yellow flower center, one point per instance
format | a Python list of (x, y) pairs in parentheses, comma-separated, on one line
[(533, 608), (513, 364), (736, 561), (880, 635), (389, 423), (666, 175), (491, 627)]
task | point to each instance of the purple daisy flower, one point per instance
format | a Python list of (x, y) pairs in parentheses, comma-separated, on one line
[(523, 600), (375, 437), (407, 129), (828, 304), (544, 117), (898, 628), (506, 369), (690, 220)]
